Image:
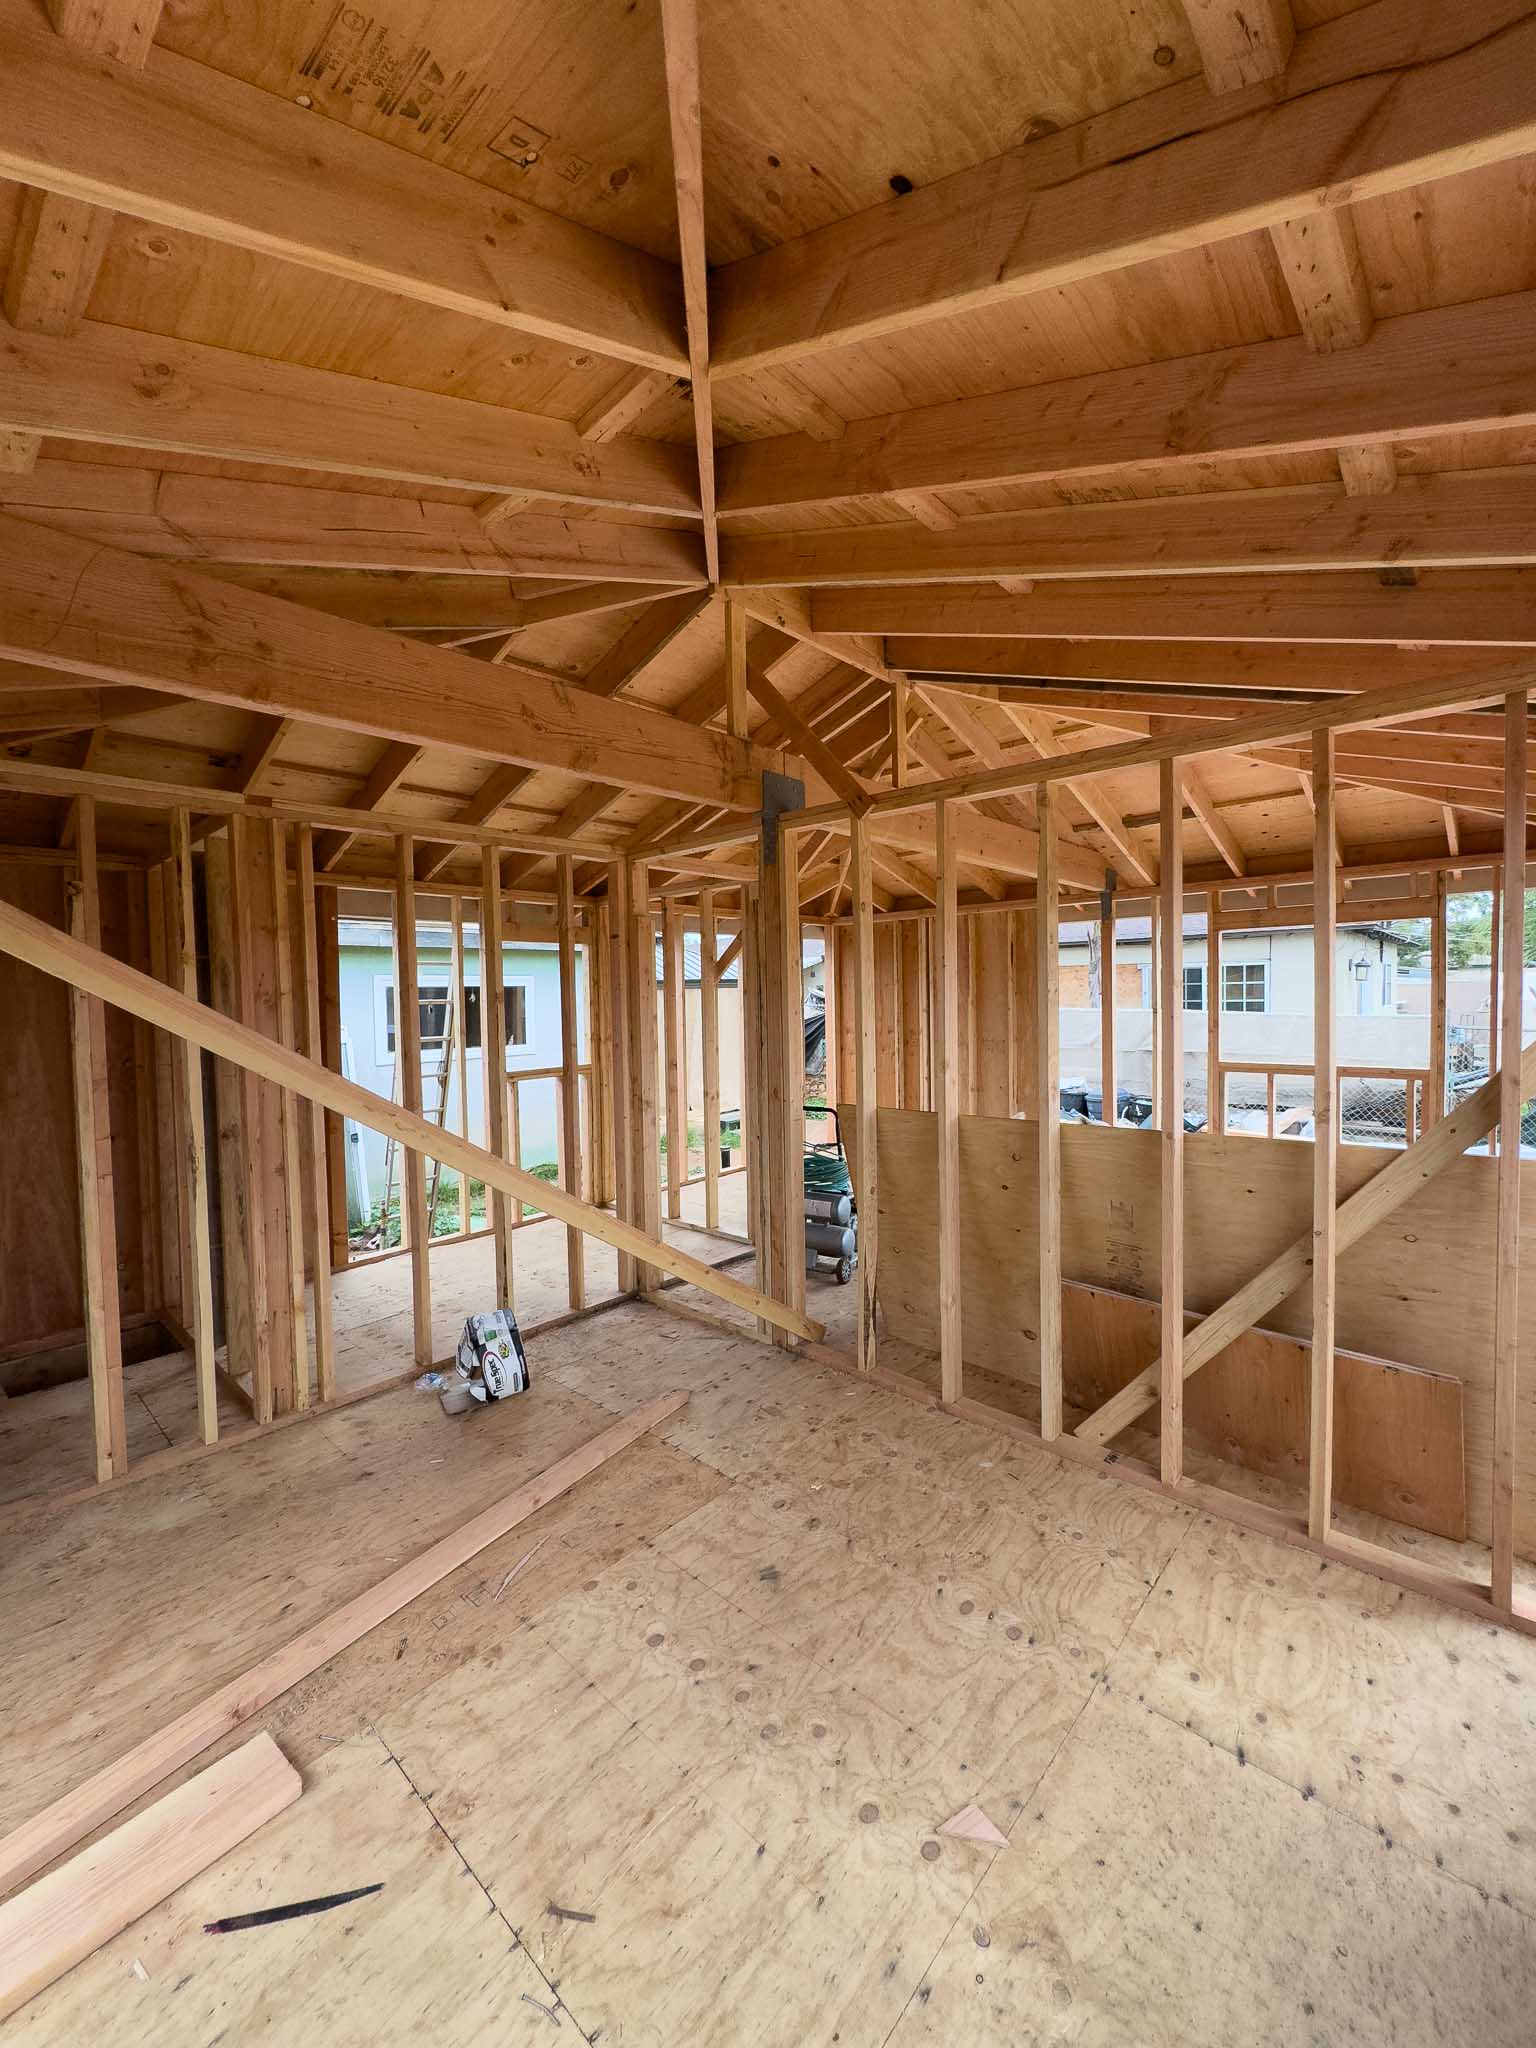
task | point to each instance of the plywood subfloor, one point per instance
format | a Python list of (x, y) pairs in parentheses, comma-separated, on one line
[(45, 1437), (748, 1671)]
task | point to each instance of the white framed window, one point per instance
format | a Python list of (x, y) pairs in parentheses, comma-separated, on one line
[(1245, 985), (432, 998), (1194, 987), (517, 1001)]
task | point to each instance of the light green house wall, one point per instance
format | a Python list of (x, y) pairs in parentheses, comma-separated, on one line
[(367, 968)]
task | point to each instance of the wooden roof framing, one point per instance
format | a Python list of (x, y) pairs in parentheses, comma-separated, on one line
[(393, 460)]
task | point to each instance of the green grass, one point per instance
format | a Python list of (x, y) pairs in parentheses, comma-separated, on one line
[(445, 1217)]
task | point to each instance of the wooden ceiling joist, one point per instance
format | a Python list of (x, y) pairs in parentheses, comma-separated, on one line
[(60, 242), (239, 165), (1451, 369), (1286, 725), (140, 792), (397, 601), (1476, 518), (1448, 607), (204, 518), (94, 611), (624, 664), (394, 763), (1078, 673), (1370, 104), (109, 384)]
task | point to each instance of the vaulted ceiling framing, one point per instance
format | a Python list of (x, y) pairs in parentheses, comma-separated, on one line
[(1094, 369)]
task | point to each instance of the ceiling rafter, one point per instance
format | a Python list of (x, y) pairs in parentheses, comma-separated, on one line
[(1360, 111), (113, 385), (1444, 370), (71, 123)]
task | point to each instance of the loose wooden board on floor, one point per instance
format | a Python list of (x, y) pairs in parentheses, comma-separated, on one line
[(425, 1955)]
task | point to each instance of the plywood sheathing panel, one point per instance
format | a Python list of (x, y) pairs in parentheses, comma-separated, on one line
[(1417, 1291), (39, 1206)]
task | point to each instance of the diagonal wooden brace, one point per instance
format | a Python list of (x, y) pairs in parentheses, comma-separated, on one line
[(83, 967), (1381, 1196)]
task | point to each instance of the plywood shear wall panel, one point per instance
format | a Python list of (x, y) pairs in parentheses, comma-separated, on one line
[(1417, 1291)]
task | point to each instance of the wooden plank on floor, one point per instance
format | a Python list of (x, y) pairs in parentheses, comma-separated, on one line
[(75, 1909), (63, 1823)]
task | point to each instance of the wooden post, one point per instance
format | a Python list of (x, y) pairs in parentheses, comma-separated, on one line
[(675, 1055), (914, 1014), (900, 708), (413, 1206), (945, 1014), (867, 1186), (1495, 951), (1048, 1126), (709, 1041), (1439, 995), (455, 1065), (751, 1085), (1325, 1144), (601, 1036), (259, 1157), (493, 1065), (1156, 937), (244, 1265), (782, 1092), (198, 1254), (93, 1161), (328, 964), (1215, 1085), (139, 886), (637, 1106), (312, 1120), (288, 1111), (1506, 1339), (1170, 997), (170, 1144), (570, 1078), (736, 696), (618, 924), (1108, 1082)]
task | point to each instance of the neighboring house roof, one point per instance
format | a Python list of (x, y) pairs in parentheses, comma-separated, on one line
[(1131, 931), (693, 963)]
